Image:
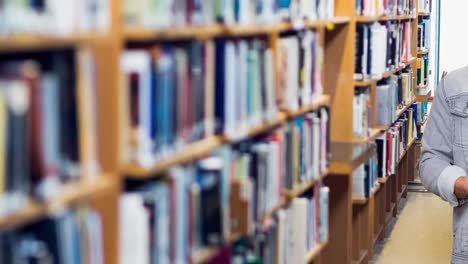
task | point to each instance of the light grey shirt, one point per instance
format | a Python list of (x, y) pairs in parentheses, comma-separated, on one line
[(445, 152)]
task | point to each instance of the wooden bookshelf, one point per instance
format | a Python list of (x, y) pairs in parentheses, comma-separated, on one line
[(404, 108), (375, 132), (423, 86), (291, 194), (219, 30), (68, 195), (424, 14), (206, 146), (313, 253), (364, 200), (348, 156), (424, 94), (29, 42), (365, 19), (385, 75)]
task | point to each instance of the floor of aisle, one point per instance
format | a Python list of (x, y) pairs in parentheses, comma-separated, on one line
[(421, 233)]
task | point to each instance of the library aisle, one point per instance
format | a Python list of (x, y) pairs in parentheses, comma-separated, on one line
[(422, 233)]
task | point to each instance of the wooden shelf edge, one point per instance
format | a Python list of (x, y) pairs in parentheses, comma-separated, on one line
[(220, 30), (385, 75), (423, 14), (423, 52), (375, 132), (32, 42), (367, 19), (406, 107), (291, 194), (319, 102), (313, 253), (68, 195), (206, 254), (364, 200), (347, 168)]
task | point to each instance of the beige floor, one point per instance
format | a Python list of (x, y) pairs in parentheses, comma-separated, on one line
[(422, 233)]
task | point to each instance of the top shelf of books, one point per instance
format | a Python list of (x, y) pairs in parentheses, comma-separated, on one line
[(219, 30)]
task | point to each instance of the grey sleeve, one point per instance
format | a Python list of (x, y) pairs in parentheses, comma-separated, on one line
[(437, 171)]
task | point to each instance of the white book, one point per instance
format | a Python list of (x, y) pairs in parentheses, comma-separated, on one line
[(140, 62), (306, 89), (324, 213), (283, 237), (134, 230), (323, 142), (297, 231), (270, 86), (242, 98), (231, 88), (274, 193)]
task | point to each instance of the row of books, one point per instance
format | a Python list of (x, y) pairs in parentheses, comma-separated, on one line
[(385, 7), (393, 144), (424, 34), (180, 13), (72, 237), (366, 179), (231, 192), (425, 6), (181, 93), (54, 17), (422, 70), (362, 113), (392, 94), (381, 48), (42, 140)]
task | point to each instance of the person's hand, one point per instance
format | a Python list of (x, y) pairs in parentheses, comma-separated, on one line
[(461, 188)]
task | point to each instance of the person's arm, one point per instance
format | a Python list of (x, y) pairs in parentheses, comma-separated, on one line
[(437, 171)]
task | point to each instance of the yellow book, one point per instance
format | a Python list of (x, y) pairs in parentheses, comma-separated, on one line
[(410, 123), (3, 131)]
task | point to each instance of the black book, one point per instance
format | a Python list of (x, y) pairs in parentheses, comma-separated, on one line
[(359, 51), (69, 127), (209, 173), (220, 78)]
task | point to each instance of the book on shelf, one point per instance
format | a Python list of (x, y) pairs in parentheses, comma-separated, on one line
[(393, 94), (366, 179), (425, 6), (55, 17), (392, 145), (180, 13), (390, 8), (233, 191), (422, 70), (424, 34), (72, 236), (362, 113), (181, 93), (381, 47), (48, 133)]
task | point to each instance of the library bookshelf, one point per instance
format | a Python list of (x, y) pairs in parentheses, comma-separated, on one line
[(355, 224), (358, 223)]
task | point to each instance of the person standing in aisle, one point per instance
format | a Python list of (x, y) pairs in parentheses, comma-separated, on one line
[(444, 161)]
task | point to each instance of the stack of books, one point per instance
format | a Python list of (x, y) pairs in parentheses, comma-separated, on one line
[(424, 34), (422, 69), (44, 140), (393, 144), (366, 179), (232, 192), (171, 13), (381, 47), (385, 7), (393, 93), (181, 93), (54, 17), (362, 113), (73, 236)]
